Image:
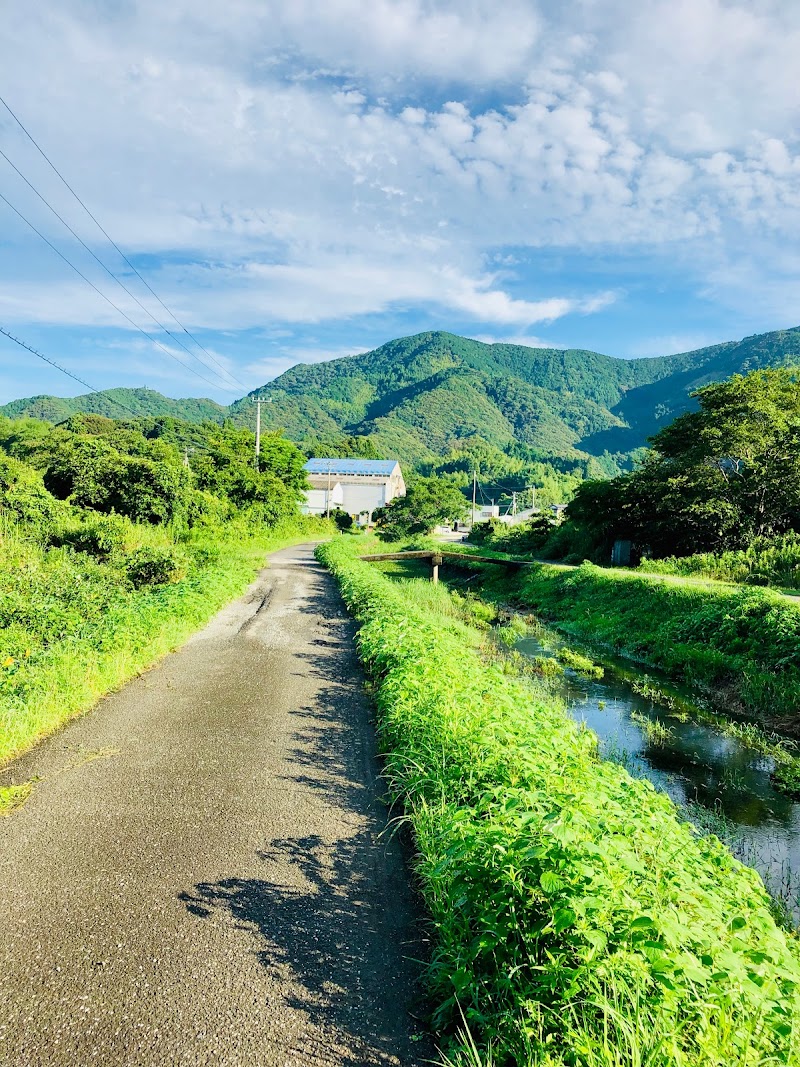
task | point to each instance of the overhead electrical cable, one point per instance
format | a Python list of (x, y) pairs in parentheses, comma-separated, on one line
[(110, 239), (107, 299), (64, 370), (110, 273)]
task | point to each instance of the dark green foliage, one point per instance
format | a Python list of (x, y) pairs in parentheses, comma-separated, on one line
[(717, 478), (343, 520), (576, 920), (420, 398), (427, 503), (154, 565), (114, 404), (341, 446), (92, 471)]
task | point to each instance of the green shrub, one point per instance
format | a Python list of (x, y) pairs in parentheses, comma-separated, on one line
[(151, 565), (101, 536), (572, 911)]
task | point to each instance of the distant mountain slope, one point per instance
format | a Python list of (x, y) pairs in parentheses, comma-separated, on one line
[(114, 404), (419, 396)]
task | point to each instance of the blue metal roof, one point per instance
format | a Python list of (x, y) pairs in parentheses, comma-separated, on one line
[(380, 468)]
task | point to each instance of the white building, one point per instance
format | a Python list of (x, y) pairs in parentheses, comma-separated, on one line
[(357, 486)]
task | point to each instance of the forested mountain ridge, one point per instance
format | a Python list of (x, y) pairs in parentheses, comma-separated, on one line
[(115, 404), (423, 396)]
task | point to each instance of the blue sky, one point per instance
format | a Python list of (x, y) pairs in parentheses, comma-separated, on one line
[(304, 180)]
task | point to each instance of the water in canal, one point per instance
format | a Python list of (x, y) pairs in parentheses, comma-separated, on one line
[(703, 771)]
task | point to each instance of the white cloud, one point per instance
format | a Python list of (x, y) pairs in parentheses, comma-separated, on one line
[(315, 161)]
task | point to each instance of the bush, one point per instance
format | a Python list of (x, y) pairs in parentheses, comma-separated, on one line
[(101, 536), (342, 519), (150, 565)]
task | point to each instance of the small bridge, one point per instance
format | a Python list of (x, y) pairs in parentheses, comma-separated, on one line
[(437, 558)]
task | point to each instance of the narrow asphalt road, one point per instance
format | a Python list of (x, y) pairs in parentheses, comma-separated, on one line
[(198, 876)]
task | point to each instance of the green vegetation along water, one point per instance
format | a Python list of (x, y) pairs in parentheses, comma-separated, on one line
[(738, 646), (575, 917), (722, 784)]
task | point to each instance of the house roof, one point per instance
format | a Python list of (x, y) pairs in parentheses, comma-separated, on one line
[(375, 467)]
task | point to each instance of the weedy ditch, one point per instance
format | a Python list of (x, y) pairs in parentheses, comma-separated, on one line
[(722, 774), (738, 647), (576, 919)]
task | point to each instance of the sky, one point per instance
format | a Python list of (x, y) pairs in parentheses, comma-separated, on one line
[(303, 180)]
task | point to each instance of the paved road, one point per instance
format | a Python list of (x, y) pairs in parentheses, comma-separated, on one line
[(197, 879)]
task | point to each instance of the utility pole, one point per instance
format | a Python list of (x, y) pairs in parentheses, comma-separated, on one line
[(328, 494), (258, 401), (474, 489), (513, 503)]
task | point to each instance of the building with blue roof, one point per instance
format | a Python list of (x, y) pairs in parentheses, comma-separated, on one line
[(357, 486)]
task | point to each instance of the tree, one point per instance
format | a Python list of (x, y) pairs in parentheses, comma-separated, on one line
[(428, 502), (715, 479)]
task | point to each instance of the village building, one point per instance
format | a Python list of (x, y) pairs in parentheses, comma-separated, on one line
[(356, 486)]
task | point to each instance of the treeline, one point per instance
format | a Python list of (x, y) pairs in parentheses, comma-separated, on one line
[(719, 488), (117, 540)]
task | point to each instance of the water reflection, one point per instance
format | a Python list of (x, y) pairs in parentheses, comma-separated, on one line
[(697, 766)]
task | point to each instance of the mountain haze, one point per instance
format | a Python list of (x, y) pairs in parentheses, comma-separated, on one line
[(419, 397)]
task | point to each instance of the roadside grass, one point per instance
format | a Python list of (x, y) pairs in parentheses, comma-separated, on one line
[(74, 628), (576, 920), (14, 796)]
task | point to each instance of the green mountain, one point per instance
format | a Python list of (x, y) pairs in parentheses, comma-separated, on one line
[(420, 397), (114, 404)]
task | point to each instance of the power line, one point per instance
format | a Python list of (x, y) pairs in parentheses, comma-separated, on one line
[(110, 273), (108, 237), (64, 370), (107, 299)]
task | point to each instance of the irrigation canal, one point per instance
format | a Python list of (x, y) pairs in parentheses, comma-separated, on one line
[(724, 784)]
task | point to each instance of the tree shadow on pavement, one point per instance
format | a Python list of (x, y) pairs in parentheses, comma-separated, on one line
[(329, 942)]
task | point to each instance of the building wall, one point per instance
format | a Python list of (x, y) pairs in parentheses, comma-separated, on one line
[(317, 500), (358, 498)]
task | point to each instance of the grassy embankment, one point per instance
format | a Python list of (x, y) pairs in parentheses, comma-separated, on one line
[(739, 646), (77, 624), (576, 919)]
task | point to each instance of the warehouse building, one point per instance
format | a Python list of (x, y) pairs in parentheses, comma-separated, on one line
[(357, 486)]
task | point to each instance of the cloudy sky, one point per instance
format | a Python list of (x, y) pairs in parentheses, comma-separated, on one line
[(306, 179)]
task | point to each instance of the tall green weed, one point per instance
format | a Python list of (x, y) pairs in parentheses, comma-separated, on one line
[(576, 919)]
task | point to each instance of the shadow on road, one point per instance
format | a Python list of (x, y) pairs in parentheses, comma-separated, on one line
[(324, 942), (333, 919)]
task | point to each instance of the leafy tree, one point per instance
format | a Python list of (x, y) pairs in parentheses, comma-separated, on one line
[(428, 502), (716, 478), (91, 472)]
